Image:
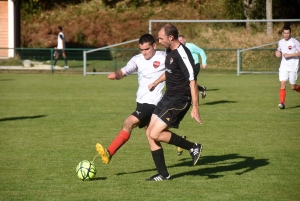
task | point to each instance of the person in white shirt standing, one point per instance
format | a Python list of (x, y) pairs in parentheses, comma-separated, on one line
[(289, 50), (150, 65), (60, 49)]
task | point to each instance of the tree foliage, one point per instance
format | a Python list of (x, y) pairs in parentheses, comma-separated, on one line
[(282, 9), (36, 6)]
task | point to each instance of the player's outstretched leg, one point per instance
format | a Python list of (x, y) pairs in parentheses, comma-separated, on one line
[(103, 153), (196, 152), (179, 149)]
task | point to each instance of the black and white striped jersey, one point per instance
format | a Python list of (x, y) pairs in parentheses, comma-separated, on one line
[(179, 71)]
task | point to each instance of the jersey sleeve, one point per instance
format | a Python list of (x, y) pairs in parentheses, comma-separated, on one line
[(185, 64), (201, 52), (131, 66), (297, 45), (279, 46)]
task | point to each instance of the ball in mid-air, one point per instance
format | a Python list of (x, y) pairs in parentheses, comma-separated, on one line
[(86, 170)]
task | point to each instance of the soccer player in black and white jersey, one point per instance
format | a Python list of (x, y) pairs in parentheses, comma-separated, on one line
[(60, 49), (289, 51), (150, 65), (181, 91)]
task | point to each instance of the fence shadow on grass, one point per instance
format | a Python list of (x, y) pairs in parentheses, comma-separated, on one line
[(22, 118), (215, 166)]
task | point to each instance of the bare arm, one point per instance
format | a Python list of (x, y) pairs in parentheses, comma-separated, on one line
[(116, 75), (286, 55), (152, 86), (195, 101)]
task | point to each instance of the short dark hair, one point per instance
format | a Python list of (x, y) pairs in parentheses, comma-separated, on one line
[(170, 30), (147, 38), (60, 28), (287, 28)]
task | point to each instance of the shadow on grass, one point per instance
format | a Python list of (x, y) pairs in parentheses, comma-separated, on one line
[(98, 178), (6, 79), (212, 89), (21, 118), (222, 164), (219, 102), (293, 107), (218, 165)]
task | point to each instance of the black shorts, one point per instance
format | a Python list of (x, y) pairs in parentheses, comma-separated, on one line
[(143, 112), (59, 51), (172, 109), (196, 70)]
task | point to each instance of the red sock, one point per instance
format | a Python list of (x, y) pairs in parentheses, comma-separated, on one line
[(297, 88), (118, 142), (282, 95)]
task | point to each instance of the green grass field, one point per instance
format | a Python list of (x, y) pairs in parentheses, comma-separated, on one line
[(49, 123)]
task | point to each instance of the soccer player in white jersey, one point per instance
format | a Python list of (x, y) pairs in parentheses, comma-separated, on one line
[(61, 45), (196, 51), (150, 65), (289, 50)]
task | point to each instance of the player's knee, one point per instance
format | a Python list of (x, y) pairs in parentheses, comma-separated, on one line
[(153, 136), (128, 125)]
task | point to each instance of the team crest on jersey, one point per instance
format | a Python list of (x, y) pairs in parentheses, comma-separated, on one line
[(156, 64), (171, 60), (290, 47)]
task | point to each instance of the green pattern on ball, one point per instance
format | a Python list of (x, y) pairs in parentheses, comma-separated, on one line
[(86, 170)]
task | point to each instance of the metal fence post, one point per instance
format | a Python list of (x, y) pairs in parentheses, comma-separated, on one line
[(84, 62), (115, 59)]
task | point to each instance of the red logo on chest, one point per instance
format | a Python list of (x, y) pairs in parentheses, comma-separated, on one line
[(156, 64), (290, 47)]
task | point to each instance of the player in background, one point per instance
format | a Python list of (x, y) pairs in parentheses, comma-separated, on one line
[(150, 65), (181, 89), (60, 49), (289, 51), (196, 52)]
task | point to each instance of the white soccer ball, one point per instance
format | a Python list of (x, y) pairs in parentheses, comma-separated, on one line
[(86, 170)]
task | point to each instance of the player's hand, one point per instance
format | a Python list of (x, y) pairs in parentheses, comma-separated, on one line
[(196, 115), (112, 76), (204, 66), (151, 87), (278, 53)]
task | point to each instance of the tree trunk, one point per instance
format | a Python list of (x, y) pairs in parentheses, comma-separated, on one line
[(249, 6), (269, 17)]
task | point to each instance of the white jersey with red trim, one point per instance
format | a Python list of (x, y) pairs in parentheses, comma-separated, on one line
[(148, 72), (290, 46)]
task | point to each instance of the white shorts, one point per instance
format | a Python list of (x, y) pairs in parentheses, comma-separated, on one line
[(290, 76)]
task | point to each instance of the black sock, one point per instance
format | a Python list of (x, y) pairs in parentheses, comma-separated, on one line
[(66, 62), (55, 62), (180, 142), (159, 160)]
